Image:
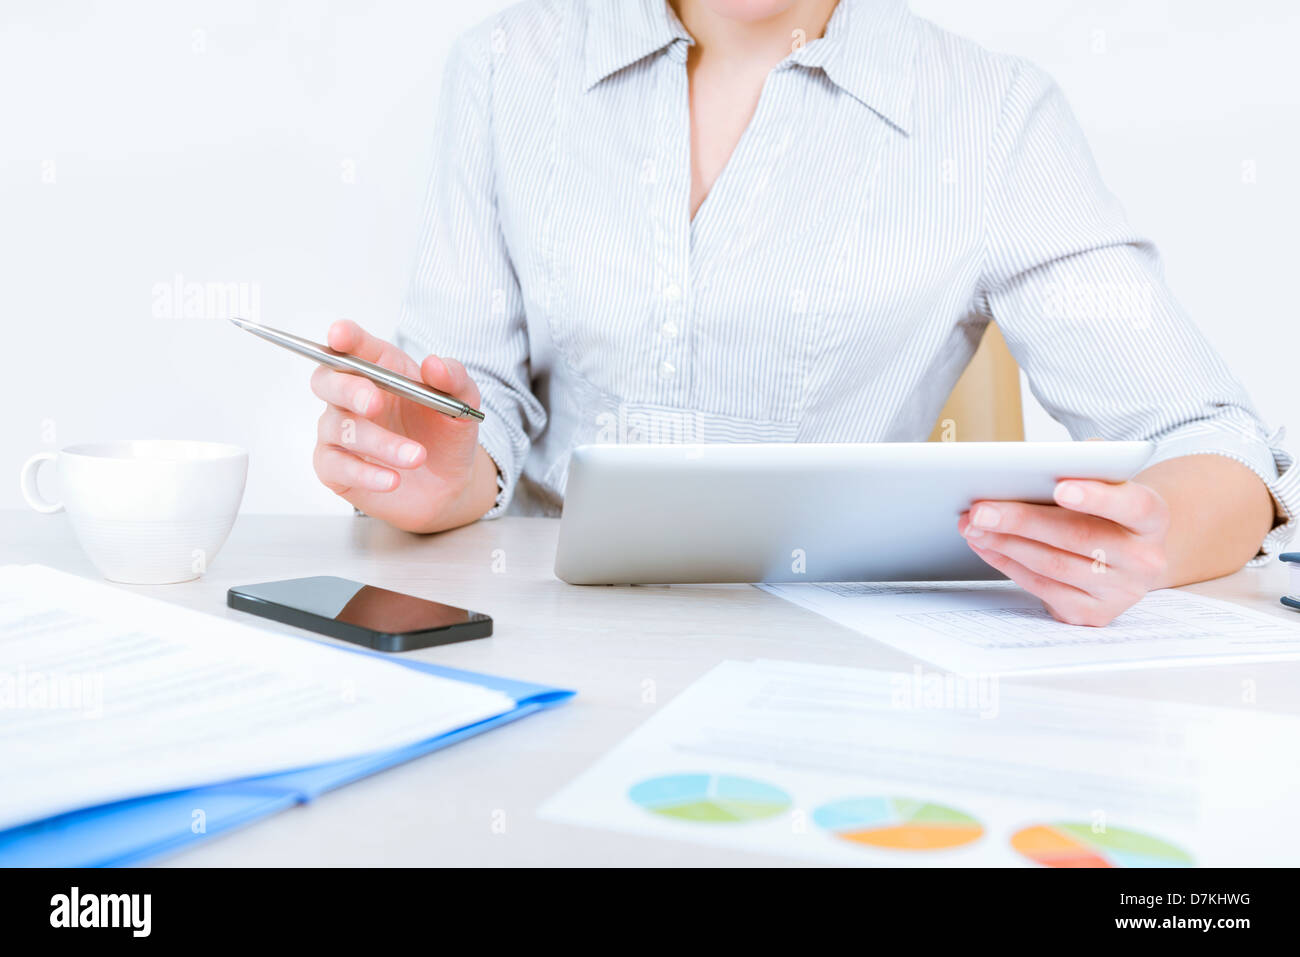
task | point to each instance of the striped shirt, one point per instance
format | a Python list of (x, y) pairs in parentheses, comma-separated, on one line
[(896, 190)]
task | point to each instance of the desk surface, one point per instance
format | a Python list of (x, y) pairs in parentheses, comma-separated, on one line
[(611, 644)]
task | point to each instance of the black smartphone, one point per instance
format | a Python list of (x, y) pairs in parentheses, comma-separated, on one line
[(362, 614)]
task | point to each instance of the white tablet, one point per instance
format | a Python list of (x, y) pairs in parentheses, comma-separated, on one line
[(803, 512)]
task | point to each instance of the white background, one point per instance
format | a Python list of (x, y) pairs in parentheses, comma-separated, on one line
[(283, 146)]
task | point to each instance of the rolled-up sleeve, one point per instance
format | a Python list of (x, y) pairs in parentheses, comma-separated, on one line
[(464, 299), (1085, 310)]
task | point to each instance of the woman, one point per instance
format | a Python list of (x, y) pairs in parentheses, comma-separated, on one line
[(790, 220)]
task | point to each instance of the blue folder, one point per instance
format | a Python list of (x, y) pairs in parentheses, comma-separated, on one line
[(131, 831)]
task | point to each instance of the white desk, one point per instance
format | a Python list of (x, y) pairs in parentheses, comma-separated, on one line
[(610, 644)]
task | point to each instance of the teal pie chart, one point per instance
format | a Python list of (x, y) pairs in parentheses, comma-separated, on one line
[(710, 798)]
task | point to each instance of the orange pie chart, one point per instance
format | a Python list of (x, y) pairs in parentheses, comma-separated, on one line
[(898, 824), (1078, 844)]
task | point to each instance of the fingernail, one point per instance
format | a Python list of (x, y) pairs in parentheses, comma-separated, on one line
[(1068, 494), (973, 532), (383, 481), (986, 517), (409, 452), (361, 401)]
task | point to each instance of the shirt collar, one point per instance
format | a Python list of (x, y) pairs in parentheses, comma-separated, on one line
[(621, 32), (868, 50)]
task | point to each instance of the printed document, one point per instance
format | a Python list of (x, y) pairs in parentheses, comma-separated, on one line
[(851, 766), (105, 695), (998, 628)]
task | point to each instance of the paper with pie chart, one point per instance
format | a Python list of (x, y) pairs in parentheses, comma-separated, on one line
[(855, 767)]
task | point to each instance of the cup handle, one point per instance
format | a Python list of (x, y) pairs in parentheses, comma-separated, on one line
[(28, 482)]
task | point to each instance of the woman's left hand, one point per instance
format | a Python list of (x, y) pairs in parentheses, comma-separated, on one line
[(1088, 557)]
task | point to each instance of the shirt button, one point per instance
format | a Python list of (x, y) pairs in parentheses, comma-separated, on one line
[(669, 330), (667, 370), (672, 292)]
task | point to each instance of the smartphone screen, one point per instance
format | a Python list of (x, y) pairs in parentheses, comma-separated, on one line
[(376, 617)]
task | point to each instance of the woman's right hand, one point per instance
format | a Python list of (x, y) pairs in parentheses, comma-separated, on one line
[(415, 468)]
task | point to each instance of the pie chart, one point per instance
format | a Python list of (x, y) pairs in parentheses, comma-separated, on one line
[(710, 798), (1076, 844), (899, 824)]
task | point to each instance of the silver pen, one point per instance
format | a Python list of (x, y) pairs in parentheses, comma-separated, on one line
[(387, 380)]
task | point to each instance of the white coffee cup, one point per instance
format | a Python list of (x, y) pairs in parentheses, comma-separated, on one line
[(146, 512)]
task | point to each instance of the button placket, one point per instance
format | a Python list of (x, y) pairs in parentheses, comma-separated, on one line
[(672, 242), (670, 311)]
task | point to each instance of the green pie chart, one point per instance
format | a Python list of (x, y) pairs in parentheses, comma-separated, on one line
[(710, 798)]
